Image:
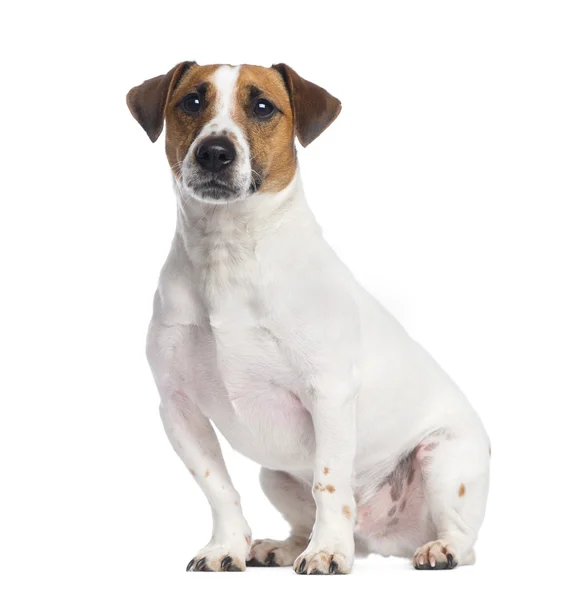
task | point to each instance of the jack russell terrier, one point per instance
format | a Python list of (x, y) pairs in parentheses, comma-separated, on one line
[(259, 329)]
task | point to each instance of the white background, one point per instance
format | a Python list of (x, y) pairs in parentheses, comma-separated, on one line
[(447, 184)]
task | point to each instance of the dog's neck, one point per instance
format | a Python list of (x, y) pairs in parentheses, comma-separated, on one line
[(248, 220)]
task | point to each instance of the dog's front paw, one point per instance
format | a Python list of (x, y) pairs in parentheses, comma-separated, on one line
[(436, 555), (221, 557), (323, 562)]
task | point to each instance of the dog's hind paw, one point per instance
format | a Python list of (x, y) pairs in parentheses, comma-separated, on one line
[(275, 553), (436, 555)]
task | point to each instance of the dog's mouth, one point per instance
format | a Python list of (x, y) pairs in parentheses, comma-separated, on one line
[(217, 190), (214, 190), (226, 186)]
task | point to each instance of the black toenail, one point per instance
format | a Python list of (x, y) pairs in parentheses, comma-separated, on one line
[(254, 563), (226, 562), (200, 565), (333, 567), (270, 560), (450, 560), (302, 566), (190, 565)]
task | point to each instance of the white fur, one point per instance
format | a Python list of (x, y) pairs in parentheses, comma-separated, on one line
[(260, 329)]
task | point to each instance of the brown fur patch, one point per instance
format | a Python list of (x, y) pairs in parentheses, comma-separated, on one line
[(272, 141), (326, 470), (207, 474), (346, 511), (182, 129), (330, 488), (313, 108), (461, 490), (147, 101)]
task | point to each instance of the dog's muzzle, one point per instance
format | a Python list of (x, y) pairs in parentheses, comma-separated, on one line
[(217, 170)]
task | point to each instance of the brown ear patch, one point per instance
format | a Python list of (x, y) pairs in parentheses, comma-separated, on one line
[(314, 109), (461, 490), (147, 101)]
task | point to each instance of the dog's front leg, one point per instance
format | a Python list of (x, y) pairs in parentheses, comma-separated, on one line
[(331, 546), (193, 438), (169, 348)]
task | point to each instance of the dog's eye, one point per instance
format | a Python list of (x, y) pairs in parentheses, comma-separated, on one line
[(263, 109), (191, 104)]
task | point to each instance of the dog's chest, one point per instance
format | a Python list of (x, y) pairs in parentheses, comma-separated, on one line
[(247, 350), (245, 382), (257, 411)]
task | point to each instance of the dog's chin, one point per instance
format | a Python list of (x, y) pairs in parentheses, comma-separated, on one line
[(214, 192)]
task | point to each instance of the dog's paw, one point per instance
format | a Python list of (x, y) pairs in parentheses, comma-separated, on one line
[(323, 562), (275, 553), (220, 557), (436, 555)]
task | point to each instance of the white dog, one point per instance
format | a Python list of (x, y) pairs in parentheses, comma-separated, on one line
[(365, 443)]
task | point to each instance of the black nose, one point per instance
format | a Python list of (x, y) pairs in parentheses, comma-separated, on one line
[(215, 153)]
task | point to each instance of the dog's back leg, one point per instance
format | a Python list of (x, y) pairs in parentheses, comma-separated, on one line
[(293, 499), (455, 473), (433, 500)]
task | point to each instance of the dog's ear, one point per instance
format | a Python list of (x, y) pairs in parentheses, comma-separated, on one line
[(313, 107), (147, 101)]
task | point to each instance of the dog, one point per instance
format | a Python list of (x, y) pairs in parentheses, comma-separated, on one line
[(258, 329)]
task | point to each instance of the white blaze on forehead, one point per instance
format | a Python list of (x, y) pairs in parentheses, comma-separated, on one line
[(225, 82), (224, 79)]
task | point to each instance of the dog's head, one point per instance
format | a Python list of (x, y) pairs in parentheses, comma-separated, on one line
[(230, 131)]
